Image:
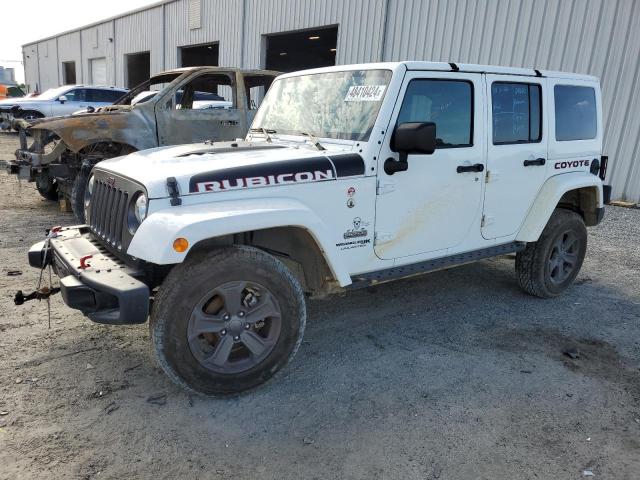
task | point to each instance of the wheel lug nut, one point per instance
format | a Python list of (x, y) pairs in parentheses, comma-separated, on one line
[(223, 332), (241, 314), (247, 326), (236, 338), (226, 316)]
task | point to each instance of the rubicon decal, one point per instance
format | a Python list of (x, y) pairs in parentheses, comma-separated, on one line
[(262, 181), (315, 169), (572, 164)]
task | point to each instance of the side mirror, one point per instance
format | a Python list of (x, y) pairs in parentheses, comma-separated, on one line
[(411, 137), (62, 98)]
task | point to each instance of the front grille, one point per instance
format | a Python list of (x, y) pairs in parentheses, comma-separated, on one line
[(107, 217)]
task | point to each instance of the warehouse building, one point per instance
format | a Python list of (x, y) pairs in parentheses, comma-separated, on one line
[(598, 37)]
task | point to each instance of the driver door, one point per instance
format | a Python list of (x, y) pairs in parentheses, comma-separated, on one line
[(76, 99), (434, 205), (183, 118)]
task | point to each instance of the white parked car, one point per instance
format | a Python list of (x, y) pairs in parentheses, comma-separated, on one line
[(350, 176), (59, 101)]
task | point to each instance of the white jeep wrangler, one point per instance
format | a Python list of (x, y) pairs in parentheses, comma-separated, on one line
[(351, 176)]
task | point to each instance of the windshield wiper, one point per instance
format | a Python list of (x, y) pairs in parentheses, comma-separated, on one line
[(313, 140), (266, 132)]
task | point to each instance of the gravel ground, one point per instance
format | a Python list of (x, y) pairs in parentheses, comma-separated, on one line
[(454, 375)]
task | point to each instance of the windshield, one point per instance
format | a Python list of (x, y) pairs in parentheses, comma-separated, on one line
[(154, 84), (341, 105), (53, 93)]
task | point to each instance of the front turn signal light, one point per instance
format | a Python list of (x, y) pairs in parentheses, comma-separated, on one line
[(180, 244)]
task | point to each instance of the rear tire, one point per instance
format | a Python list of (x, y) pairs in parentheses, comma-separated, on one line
[(227, 321), (548, 267), (47, 187)]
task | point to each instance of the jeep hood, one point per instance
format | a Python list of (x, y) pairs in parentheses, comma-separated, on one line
[(201, 168)]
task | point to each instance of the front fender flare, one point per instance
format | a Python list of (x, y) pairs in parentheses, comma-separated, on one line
[(153, 241), (547, 200)]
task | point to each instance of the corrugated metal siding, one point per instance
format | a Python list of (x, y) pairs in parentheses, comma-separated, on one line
[(31, 74), (48, 64), (139, 32), (69, 50), (597, 37), (360, 25), (96, 44), (221, 22)]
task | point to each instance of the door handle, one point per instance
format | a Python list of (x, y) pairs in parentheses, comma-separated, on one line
[(478, 167), (537, 161)]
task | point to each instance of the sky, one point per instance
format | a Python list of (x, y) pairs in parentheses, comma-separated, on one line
[(24, 22)]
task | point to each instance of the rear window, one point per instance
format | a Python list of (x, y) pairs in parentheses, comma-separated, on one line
[(576, 117), (516, 113)]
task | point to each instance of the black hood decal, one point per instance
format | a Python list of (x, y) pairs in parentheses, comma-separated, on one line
[(299, 170)]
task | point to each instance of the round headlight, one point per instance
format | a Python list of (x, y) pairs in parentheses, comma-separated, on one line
[(140, 207)]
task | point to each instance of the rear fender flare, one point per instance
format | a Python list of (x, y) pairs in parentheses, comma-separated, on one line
[(153, 241), (548, 198)]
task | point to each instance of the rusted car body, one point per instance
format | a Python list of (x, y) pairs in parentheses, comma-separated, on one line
[(64, 149)]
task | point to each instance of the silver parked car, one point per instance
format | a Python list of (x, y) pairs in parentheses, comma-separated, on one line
[(57, 102)]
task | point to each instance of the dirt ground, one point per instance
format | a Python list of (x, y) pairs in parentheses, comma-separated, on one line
[(455, 375)]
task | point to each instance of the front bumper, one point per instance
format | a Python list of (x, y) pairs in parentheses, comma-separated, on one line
[(106, 290)]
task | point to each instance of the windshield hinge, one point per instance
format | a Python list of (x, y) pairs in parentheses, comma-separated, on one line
[(174, 192)]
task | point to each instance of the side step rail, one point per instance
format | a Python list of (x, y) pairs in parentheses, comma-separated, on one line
[(380, 276)]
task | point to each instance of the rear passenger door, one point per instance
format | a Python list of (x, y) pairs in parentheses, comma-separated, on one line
[(516, 153)]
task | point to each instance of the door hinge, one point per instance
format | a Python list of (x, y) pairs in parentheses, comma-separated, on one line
[(384, 188), (491, 176), (486, 221), (381, 237)]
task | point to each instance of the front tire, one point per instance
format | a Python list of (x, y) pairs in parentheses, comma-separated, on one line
[(78, 191), (548, 267), (227, 321), (47, 187)]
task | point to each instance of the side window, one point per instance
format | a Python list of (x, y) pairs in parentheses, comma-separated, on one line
[(209, 91), (76, 95), (516, 113), (447, 103), (576, 117), (104, 96), (256, 86)]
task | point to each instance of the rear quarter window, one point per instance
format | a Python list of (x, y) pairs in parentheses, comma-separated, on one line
[(576, 113)]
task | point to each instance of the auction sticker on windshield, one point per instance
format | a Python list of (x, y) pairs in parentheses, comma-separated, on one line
[(365, 93)]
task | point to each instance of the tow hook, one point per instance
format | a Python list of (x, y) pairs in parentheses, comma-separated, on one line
[(41, 294)]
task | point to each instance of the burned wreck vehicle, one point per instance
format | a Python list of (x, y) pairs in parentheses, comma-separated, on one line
[(184, 105)]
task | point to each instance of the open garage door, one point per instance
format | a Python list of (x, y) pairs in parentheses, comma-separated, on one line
[(98, 71), (288, 52), (69, 73), (138, 68), (199, 55)]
